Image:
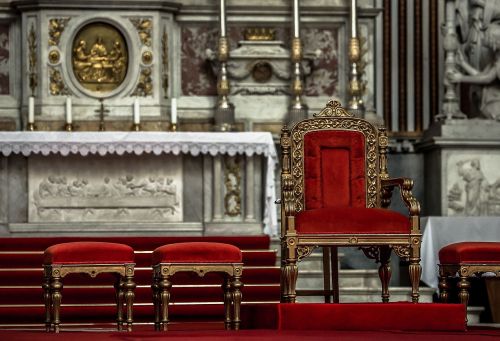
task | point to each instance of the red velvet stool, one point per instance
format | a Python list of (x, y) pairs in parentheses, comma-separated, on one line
[(200, 258), (467, 259), (91, 258)]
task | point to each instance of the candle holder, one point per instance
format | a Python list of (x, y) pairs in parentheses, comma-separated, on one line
[(31, 126), (68, 127), (136, 127), (173, 127)]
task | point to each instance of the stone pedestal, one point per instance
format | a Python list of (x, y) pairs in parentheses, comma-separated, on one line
[(462, 158)]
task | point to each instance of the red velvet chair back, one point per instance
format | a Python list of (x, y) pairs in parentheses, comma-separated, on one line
[(334, 169)]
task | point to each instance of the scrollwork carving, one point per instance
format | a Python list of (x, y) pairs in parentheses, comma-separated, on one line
[(164, 60), (145, 85), (402, 251), (56, 28), (32, 59), (305, 251), (144, 28), (372, 252), (57, 85), (334, 109), (232, 198)]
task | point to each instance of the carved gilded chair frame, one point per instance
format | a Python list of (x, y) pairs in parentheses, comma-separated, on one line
[(231, 288), (379, 189), (52, 287), (464, 271)]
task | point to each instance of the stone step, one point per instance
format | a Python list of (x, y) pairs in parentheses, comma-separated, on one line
[(313, 279)]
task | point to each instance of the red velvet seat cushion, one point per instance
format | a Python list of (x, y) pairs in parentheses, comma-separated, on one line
[(197, 252), (351, 220), (470, 252), (88, 253)]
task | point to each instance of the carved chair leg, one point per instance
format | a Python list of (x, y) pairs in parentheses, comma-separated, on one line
[(164, 291), (156, 301), (283, 282), (56, 287), (228, 308), (236, 286), (48, 301), (289, 273), (129, 287), (119, 301), (384, 271), (415, 272)]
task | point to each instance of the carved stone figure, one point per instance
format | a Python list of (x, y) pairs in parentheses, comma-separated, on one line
[(479, 55)]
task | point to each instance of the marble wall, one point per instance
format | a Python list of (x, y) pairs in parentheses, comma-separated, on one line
[(4, 59)]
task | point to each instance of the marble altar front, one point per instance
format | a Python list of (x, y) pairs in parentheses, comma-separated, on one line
[(138, 182)]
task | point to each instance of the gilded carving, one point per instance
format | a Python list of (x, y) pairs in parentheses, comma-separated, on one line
[(260, 34), (402, 251), (56, 83), (56, 28), (223, 49), (144, 28), (32, 59), (335, 117), (147, 57), (164, 60), (232, 181), (145, 85), (296, 50), (99, 57), (304, 251), (54, 57)]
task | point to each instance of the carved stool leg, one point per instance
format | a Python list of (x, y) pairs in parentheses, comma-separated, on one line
[(129, 287), (415, 272), (385, 272), (47, 299), (463, 286), (164, 289), (228, 309), (56, 287), (119, 301), (156, 301), (236, 295), (443, 286)]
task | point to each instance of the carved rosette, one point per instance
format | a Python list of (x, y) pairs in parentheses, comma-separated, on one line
[(334, 117)]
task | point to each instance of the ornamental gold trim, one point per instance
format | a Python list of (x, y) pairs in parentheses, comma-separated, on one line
[(144, 28), (54, 57), (57, 87), (147, 57), (232, 182), (56, 28), (144, 87), (334, 117), (259, 34)]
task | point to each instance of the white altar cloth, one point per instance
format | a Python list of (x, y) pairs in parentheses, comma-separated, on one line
[(442, 231), (194, 143)]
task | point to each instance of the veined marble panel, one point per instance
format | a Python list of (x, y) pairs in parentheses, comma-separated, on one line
[(111, 189), (4, 59)]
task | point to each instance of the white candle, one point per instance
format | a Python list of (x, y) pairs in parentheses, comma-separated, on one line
[(137, 114), (173, 113), (69, 114), (353, 18), (296, 19), (222, 18), (31, 109)]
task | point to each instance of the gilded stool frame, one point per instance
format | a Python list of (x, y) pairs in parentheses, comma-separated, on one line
[(231, 287), (52, 287)]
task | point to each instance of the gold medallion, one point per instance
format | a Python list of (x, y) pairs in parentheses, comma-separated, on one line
[(99, 57)]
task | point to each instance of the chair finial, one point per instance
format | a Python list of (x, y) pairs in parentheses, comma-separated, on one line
[(334, 109)]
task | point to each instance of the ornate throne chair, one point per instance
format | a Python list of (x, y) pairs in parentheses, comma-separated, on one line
[(335, 191)]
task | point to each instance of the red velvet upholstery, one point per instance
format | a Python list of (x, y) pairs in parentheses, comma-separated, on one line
[(197, 252), (351, 220), (470, 252), (334, 167), (88, 253)]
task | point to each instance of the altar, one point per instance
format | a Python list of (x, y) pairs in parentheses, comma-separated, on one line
[(138, 182)]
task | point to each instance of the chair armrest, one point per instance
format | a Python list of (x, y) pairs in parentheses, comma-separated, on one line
[(405, 186)]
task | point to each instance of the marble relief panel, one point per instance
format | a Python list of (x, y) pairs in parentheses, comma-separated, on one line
[(93, 189), (4, 59), (199, 79), (473, 184)]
